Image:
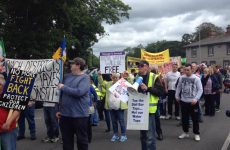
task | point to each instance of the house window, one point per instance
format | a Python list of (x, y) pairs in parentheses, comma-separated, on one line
[(228, 49), (210, 51), (225, 63), (212, 63), (194, 52)]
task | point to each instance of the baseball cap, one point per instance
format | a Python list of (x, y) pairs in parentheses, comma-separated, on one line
[(142, 62), (78, 61)]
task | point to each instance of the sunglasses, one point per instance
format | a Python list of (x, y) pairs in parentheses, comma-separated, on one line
[(181, 72), (140, 66)]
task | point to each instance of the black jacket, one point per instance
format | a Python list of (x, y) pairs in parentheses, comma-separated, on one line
[(157, 90)]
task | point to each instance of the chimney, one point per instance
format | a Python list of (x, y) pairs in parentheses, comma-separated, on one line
[(212, 33), (228, 30)]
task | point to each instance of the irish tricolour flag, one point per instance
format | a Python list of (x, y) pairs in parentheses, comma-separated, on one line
[(2, 51)]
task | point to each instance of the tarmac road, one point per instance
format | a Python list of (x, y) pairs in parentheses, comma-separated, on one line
[(214, 132)]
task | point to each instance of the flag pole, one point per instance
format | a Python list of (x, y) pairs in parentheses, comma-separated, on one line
[(61, 66)]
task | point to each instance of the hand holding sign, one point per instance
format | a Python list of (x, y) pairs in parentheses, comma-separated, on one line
[(60, 85), (17, 90)]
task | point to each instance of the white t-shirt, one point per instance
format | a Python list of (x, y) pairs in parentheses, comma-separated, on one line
[(172, 78), (47, 104)]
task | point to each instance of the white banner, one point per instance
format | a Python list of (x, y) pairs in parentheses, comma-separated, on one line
[(112, 62), (138, 112), (119, 89), (48, 75)]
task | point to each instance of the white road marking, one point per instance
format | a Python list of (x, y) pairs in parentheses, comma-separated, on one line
[(226, 143)]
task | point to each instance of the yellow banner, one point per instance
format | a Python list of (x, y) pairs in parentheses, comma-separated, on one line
[(132, 63), (156, 58)]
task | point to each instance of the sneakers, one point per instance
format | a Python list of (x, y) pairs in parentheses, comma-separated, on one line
[(47, 139), (114, 138), (123, 138), (197, 137), (33, 137), (54, 140), (108, 130), (183, 135), (168, 117), (162, 117), (20, 137), (217, 110), (179, 124), (177, 117)]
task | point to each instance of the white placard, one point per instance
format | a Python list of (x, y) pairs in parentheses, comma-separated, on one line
[(138, 112), (112, 62), (119, 89), (48, 76)]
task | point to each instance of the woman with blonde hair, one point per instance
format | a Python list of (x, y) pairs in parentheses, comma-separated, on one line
[(115, 105), (209, 82)]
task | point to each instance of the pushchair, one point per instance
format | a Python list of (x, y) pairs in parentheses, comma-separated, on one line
[(227, 85)]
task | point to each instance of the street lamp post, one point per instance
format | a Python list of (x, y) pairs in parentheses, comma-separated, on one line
[(199, 46), (92, 57)]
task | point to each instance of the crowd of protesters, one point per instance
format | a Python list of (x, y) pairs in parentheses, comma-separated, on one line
[(87, 100)]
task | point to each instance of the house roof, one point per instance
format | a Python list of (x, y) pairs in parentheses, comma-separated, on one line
[(212, 40)]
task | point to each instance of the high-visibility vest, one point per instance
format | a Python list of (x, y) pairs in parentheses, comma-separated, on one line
[(103, 91), (153, 101), (97, 91)]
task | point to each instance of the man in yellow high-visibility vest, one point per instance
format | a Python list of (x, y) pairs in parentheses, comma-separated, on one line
[(152, 84)]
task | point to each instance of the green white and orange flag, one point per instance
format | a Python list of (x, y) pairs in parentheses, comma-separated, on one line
[(2, 51)]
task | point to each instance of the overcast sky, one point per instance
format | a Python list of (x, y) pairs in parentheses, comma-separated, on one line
[(156, 20)]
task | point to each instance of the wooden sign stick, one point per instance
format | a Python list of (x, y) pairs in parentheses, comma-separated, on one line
[(10, 114)]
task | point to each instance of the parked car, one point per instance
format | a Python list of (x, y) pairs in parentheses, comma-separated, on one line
[(91, 71)]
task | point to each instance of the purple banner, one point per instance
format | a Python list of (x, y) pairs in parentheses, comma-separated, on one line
[(112, 53)]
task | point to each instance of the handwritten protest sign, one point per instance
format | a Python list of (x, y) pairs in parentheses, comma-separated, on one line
[(46, 82), (138, 112), (112, 62), (119, 90), (17, 90)]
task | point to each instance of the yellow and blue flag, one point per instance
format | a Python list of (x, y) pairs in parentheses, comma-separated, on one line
[(61, 51)]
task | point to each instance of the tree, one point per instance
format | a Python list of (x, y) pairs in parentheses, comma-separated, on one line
[(134, 52), (205, 28), (34, 29), (175, 48), (187, 39)]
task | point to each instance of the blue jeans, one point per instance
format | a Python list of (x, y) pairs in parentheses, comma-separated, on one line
[(51, 122), (9, 139), (118, 115), (107, 118), (93, 118), (148, 137), (29, 115)]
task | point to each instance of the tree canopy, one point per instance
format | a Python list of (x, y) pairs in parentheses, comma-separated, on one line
[(35, 28)]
